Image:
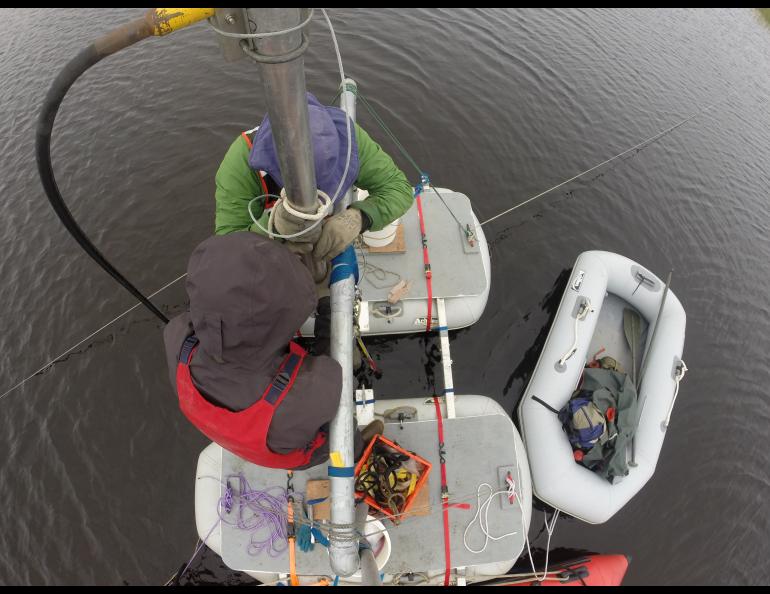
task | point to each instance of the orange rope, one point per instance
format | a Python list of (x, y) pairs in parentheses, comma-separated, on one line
[(294, 580)]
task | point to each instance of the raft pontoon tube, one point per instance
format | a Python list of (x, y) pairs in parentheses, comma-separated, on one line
[(605, 284)]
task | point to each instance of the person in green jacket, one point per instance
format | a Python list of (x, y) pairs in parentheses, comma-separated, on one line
[(250, 169)]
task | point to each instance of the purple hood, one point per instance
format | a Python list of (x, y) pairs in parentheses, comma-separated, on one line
[(330, 147)]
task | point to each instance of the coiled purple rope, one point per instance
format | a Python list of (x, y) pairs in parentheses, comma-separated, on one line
[(261, 512)]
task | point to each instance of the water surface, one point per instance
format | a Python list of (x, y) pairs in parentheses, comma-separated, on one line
[(98, 467)]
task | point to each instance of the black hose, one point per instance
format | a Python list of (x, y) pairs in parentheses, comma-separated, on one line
[(109, 44)]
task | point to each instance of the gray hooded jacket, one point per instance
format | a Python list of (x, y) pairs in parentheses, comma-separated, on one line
[(248, 296)]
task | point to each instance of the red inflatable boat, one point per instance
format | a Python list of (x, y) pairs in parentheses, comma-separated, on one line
[(590, 570)]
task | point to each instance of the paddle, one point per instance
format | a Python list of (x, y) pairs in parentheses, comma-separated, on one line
[(646, 358), (632, 327)]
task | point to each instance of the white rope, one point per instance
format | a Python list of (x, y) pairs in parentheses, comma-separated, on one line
[(324, 205), (548, 527), (72, 348), (482, 515), (347, 118), (681, 369), (618, 156), (582, 313)]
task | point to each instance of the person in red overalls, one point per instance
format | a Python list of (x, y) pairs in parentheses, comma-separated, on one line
[(239, 378)]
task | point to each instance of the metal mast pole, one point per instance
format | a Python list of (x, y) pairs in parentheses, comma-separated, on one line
[(284, 85)]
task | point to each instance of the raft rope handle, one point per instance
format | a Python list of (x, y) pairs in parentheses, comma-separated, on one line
[(396, 311), (483, 520), (582, 314), (681, 369)]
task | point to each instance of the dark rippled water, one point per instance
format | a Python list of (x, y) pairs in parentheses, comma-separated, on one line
[(97, 469)]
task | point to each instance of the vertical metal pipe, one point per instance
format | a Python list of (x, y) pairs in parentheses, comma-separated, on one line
[(284, 86), (348, 104), (343, 546)]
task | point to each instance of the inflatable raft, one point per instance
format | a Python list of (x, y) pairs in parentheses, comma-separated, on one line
[(590, 319)]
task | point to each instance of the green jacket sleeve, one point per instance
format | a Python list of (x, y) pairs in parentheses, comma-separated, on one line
[(236, 185), (390, 193)]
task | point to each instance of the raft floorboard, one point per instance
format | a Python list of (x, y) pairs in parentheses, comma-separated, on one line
[(476, 448), (610, 336), (457, 268)]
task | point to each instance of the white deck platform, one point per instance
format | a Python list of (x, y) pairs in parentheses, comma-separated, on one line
[(480, 443)]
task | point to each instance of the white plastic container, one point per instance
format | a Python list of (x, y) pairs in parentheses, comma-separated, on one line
[(384, 236)]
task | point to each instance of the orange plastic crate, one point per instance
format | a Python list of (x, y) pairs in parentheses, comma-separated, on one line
[(426, 466)]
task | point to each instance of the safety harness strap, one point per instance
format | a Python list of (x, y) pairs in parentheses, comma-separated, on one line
[(444, 490), (187, 349), (286, 375), (282, 381)]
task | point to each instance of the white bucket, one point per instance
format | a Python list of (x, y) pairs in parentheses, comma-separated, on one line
[(384, 236), (379, 540)]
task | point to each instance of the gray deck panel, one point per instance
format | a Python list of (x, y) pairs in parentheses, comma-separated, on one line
[(476, 448), (458, 269), (609, 334)]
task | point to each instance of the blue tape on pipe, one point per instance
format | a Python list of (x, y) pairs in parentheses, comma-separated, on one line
[(342, 471), (344, 265)]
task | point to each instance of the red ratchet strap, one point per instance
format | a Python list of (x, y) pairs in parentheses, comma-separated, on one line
[(444, 490), (425, 257)]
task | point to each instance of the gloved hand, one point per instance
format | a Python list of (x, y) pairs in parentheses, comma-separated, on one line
[(286, 223), (322, 286), (303, 538), (338, 233), (298, 247)]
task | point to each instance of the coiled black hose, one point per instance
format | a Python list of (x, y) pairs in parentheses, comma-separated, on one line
[(103, 47)]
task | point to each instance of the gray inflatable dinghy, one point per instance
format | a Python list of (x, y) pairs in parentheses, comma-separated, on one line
[(590, 320)]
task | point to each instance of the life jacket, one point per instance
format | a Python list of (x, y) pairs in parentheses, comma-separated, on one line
[(245, 432)]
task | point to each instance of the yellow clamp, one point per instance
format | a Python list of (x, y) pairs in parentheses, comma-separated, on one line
[(167, 20)]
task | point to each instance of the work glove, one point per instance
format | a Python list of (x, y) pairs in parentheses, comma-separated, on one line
[(338, 233), (286, 223), (322, 287)]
